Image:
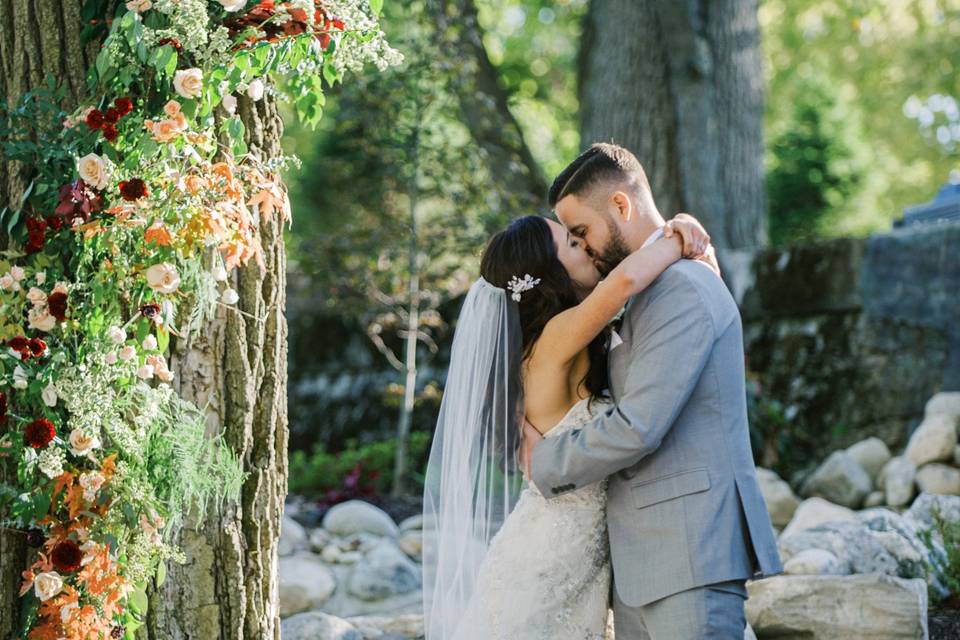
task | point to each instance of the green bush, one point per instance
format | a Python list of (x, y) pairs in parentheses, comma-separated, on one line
[(320, 472), (945, 566)]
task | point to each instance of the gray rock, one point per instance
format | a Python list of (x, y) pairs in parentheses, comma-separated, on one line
[(920, 511), (357, 516), (900, 536), (316, 625), (875, 607), (956, 456), (384, 571), (318, 540), (387, 627), (816, 511), (293, 537), (934, 440), (412, 523), (875, 499), (945, 402), (898, 481), (780, 499), (939, 479), (841, 480), (411, 543), (871, 454), (851, 542), (305, 583), (816, 562)]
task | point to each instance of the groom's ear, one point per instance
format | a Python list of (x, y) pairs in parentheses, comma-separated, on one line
[(623, 205)]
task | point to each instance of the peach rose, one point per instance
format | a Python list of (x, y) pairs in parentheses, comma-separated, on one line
[(37, 297), (93, 171), (39, 318), (163, 277), (172, 108), (81, 443), (188, 82)]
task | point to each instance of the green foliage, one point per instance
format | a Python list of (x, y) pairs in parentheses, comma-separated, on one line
[(320, 471), (943, 544)]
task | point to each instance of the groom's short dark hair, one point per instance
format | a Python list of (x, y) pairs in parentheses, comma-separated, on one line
[(600, 163)]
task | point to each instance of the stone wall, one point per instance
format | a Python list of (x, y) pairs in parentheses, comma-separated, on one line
[(852, 336)]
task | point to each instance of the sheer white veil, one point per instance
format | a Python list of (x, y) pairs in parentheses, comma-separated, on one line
[(472, 479)]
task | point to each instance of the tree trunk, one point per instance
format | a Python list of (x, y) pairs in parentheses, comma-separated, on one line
[(228, 588), (680, 85), (34, 41)]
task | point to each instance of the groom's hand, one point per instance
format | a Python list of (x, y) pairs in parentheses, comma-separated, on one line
[(531, 437)]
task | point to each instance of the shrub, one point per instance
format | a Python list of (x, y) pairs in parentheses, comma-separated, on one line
[(945, 561)]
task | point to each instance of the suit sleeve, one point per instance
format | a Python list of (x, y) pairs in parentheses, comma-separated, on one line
[(673, 337)]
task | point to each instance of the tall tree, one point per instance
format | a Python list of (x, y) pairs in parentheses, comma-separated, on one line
[(34, 41), (680, 84)]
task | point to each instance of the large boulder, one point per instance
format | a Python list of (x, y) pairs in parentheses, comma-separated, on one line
[(871, 454), (900, 536), (293, 537), (874, 607), (875, 499), (897, 479), (385, 571), (841, 480), (357, 516), (921, 509), (851, 542), (316, 625), (934, 440), (945, 402), (816, 511), (305, 583), (412, 523), (816, 562), (939, 479), (780, 499)]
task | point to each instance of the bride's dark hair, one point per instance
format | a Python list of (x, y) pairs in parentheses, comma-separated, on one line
[(527, 247)]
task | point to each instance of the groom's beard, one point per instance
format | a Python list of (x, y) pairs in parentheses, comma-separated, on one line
[(614, 253)]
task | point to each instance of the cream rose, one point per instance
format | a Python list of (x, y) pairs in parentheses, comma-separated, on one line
[(47, 584), (93, 171), (128, 353), (163, 278), (18, 273), (150, 342), (37, 297), (41, 276), (82, 443), (49, 395), (188, 82), (39, 318), (233, 5), (7, 281)]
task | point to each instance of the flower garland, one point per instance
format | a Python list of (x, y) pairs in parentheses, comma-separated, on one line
[(141, 204)]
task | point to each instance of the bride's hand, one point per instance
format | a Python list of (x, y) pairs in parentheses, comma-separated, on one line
[(695, 238)]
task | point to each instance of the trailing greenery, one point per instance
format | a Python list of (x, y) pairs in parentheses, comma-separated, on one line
[(943, 544)]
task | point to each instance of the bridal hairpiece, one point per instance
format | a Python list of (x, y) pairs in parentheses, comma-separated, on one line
[(518, 286)]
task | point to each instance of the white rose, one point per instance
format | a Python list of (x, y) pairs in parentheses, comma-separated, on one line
[(150, 343), (40, 318), (47, 584), (163, 277), (145, 372), (41, 276), (18, 273), (128, 353), (233, 5), (20, 377), (37, 297), (7, 281), (230, 104), (49, 395), (188, 82), (255, 90), (111, 358), (82, 443), (229, 296), (93, 171), (116, 334)]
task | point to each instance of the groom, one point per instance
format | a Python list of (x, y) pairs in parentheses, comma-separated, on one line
[(686, 519)]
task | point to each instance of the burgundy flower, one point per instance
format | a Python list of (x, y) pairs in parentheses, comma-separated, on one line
[(57, 303), (35, 241), (173, 42), (150, 310), (109, 132), (35, 537), (35, 224), (39, 433), (54, 221), (77, 199), (37, 346), (66, 556), (133, 189), (95, 119), (111, 115), (118, 632), (18, 343), (123, 105)]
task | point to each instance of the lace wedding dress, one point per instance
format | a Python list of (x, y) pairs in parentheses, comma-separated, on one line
[(547, 574)]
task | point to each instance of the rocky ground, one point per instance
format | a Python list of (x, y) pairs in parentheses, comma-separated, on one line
[(855, 563)]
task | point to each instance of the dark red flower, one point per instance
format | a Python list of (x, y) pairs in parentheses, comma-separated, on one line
[(133, 189), (66, 556), (124, 105), (77, 199), (25, 355), (173, 42), (118, 632), (39, 433), (95, 119), (18, 343), (37, 346), (35, 224), (54, 221), (111, 115), (109, 132), (35, 242), (150, 310), (57, 303)]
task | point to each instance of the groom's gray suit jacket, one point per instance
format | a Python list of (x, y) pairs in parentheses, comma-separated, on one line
[(684, 508)]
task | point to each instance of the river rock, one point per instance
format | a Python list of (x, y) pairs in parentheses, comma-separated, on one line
[(898, 481), (293, 537), (357, 516), (316, 625), (305, 583), (412, 523), (816, 562), (318, 539), (939, 479), (815, 511), (383, 572), (920, 510), (389, 627), (851, 542), (934, 440), (945, 402), (841, 480), (900, 536), (875, 499), (874, 607), (411, 543), (780, 499), (871, 454)]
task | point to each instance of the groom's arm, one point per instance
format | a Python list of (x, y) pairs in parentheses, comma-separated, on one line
[(673, 337)]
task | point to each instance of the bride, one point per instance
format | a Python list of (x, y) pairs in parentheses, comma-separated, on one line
[(531, 340)]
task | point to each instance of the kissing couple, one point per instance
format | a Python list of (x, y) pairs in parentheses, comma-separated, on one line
[(592, 448)]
